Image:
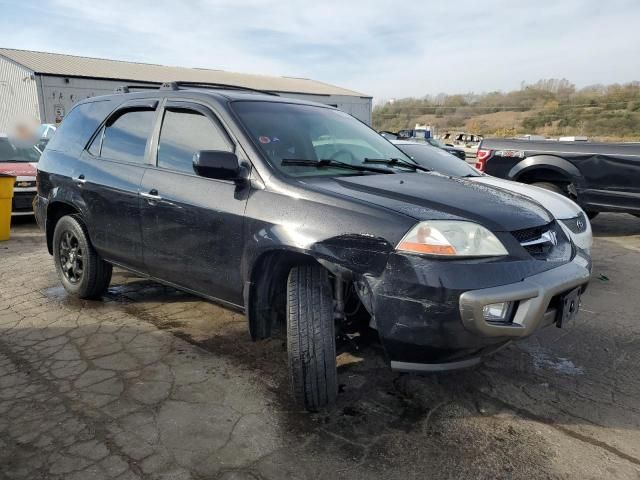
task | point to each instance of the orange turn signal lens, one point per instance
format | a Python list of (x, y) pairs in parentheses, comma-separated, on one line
[(428, 249)]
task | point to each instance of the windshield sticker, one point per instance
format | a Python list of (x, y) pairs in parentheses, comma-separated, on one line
[(264, 139)]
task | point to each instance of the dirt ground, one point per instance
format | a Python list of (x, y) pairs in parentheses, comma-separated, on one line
[(152, 383)]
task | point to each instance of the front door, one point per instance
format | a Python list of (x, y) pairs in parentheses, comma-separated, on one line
[(192, 226)]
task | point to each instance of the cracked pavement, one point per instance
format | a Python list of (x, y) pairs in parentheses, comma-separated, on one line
[(152, 383)]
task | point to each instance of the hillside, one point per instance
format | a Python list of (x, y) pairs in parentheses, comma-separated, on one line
[(549, 107)]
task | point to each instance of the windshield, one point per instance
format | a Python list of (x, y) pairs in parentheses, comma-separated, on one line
[(438, 160), (14, 153), (436, 143), (285, 131)]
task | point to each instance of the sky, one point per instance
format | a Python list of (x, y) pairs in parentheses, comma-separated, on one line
[(387, 49)]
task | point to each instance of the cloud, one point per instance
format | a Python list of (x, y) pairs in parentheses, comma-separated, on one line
[(388, 49)]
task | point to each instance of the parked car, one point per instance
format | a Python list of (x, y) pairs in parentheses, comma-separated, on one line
[(292, 212), (468, 142), (408, 135), (20, 161), (571, 217), (44, 134), (600, 177)]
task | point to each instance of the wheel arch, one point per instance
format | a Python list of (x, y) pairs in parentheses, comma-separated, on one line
[(545, 168), (55, 211), (265, 290)]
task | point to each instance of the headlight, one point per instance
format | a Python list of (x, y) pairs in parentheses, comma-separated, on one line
[(451, 239)]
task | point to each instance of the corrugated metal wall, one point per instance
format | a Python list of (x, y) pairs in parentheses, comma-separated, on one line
[(359, 107), (61, 93), (18, 95)]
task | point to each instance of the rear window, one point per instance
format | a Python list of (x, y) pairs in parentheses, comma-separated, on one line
[(126, 138), (79, 125)]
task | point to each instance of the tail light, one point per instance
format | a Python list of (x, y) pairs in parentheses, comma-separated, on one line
[(482, 156)]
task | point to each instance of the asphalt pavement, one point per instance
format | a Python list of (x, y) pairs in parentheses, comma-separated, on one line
[(153, 383)]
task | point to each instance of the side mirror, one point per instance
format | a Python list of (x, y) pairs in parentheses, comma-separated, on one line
[(216, 164)]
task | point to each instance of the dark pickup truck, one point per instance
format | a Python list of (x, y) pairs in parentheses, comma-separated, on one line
[(600, 177)]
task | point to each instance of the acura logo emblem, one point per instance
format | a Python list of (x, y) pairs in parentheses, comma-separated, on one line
[(579, 224)]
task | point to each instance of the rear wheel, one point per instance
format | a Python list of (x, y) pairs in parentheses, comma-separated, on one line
[(81, 270), (311, 343)]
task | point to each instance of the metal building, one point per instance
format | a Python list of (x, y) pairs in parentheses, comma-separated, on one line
[(44, 86)]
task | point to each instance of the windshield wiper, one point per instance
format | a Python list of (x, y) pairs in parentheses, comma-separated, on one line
[(396, 161), (328, 162)]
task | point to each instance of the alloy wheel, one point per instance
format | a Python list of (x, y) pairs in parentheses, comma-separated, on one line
[(71, 257)]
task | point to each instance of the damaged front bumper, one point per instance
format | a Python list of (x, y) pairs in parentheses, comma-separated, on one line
[(429, 313)]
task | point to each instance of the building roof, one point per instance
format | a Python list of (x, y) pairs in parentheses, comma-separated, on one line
[(87, 67)]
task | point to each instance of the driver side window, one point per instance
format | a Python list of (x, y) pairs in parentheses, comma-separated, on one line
[(185, 132)]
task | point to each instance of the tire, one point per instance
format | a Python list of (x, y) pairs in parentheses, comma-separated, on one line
[(311, 342), (81, 270), (551, 187)]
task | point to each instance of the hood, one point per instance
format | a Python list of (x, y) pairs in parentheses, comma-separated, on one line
[(18, 169), (427, 196), (560, 206)]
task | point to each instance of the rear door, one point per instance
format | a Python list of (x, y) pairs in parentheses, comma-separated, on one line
[(110, 178), (192, 226)]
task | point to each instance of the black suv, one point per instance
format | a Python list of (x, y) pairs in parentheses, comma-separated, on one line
[(298, 214)]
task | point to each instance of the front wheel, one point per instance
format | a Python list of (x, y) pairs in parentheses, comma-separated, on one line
[(81, 270), (311, 343), (552, 187)]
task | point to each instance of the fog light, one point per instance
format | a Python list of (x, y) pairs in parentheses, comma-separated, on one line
[(497, 312)]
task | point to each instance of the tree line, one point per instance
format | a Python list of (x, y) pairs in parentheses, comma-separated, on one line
[(551, 107)]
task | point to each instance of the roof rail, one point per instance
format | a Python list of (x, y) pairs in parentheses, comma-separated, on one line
[(128, 88), (222, 86)]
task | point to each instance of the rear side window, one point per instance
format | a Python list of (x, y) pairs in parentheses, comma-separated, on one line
[(185, 132), (78, 126), (125, 137)]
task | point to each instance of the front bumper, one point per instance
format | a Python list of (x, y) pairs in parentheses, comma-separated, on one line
[(429, 314), (533, 297)]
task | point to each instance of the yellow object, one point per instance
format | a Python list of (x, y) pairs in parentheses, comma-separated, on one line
[(6, 195)]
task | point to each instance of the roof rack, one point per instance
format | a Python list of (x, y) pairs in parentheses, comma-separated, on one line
[(224, 86), (128, 88)]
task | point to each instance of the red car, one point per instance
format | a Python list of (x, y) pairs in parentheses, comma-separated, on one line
[(21, 162)]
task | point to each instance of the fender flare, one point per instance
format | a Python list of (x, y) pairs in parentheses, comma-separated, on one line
[(550, 162), (63, 196)]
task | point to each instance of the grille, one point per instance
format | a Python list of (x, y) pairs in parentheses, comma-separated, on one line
[(540, 250), (577, 224), (23, 202), (530, 234)]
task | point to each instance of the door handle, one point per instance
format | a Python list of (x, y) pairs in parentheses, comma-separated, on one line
[(151, 196), (80, 180)]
